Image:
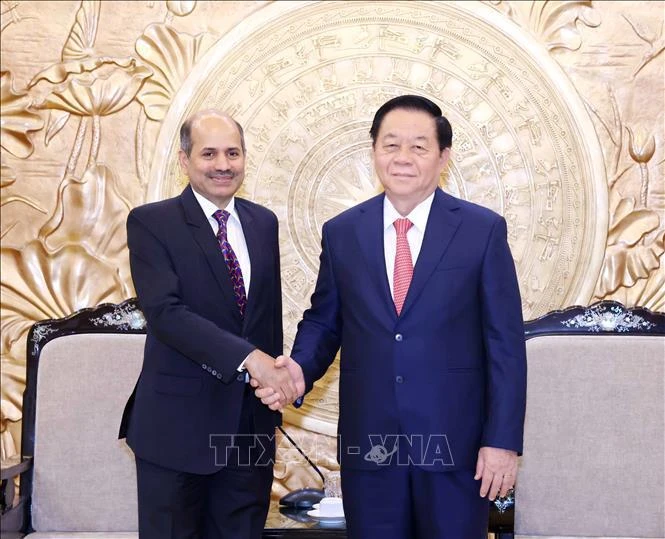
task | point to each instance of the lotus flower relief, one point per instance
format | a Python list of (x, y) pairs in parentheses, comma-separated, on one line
[(83, 204), (556, 23), (629, 256), (641, 148), (16, 119), (171, 55), (38, 285), (94, 86), (180, 8), (7, 179)]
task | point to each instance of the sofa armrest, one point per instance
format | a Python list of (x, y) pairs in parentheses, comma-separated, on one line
[(14, 466), (13, 511)]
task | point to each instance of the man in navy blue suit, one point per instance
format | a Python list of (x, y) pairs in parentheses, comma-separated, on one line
[(205, 266), (420, 292)]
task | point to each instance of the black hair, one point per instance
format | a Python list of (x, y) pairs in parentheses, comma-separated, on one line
[(444, 131)]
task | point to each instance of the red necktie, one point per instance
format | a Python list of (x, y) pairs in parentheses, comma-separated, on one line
[(222, 217), (403, 265)]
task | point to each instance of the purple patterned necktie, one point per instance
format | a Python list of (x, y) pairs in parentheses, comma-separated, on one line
[(222, 217)]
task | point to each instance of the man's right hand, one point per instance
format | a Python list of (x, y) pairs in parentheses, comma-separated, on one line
[(273, 399), (265, 372)]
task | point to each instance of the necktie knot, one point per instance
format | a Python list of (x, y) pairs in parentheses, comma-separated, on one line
[(402, 226), (222, 218)]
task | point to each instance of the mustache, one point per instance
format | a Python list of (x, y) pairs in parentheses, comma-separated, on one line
[(228, 173)]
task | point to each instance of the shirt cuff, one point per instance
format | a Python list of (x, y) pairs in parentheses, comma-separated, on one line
[(241, 367)]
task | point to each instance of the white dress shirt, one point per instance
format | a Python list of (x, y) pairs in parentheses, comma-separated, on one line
[(414, 236), (234, 234), (235, 237)]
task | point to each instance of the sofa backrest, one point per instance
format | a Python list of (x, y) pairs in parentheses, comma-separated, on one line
[(84, 477), (80, 372), (594, 448)]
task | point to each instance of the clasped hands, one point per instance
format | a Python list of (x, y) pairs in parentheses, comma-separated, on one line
[(278, 382)]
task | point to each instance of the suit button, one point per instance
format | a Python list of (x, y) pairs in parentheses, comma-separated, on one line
[(209, 369), (241, 377), (399, 337), (214, 372), (399, 379), (204, 366), (219, 375)]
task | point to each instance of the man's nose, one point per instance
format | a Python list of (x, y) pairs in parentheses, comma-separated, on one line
[(403, 155), (221, 162)]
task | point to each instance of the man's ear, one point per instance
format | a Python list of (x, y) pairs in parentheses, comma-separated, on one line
[(444, 158), (183, 160)]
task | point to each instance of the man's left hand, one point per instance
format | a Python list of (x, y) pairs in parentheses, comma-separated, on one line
[(498, 469)]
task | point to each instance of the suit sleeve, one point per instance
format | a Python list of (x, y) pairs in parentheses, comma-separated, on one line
[(170, 320), (319, 333), (503, 333)]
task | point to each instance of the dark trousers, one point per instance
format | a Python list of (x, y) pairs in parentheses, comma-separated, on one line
[(408, 502), (229, 504)]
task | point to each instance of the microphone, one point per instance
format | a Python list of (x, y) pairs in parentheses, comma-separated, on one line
[(302, 498)]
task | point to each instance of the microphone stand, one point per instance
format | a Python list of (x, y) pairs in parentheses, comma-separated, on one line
[(302, 498)]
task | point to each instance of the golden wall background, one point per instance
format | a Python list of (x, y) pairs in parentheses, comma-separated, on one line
[(558, 112)]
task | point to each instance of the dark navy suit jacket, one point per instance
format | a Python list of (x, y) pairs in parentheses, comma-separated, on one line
[(450, 371), (189, 388)]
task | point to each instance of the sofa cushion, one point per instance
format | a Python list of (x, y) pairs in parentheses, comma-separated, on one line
[(594, 448), (84, 477)]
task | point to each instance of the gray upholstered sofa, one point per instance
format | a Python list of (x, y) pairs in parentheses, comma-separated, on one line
[(594, 448), (81, 370), (593, 462)]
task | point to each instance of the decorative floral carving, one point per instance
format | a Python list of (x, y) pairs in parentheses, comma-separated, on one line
[(92, 87), (7, 179), (636, 237), (172, 56), (554, 22), (83, 33), (503, 504), (40, 333), (122, 317), (641, 148), (603, 318), (630, 256), (38, 284), (17, 119), (181, 7), (656, 43), (82, 205)]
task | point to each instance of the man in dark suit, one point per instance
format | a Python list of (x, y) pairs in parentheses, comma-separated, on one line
[(419, 290), (205, 266)]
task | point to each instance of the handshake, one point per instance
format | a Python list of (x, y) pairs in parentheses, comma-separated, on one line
[(278, 382)]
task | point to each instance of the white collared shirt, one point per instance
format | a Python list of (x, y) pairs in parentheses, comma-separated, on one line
[(234, 234), (414, 236)]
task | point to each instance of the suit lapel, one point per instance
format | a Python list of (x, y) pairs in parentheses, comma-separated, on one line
[(369, 231), (202, 232), (442, 224)]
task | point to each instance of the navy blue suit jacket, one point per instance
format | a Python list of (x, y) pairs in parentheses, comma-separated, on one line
[(450, 371), (189, 388)]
